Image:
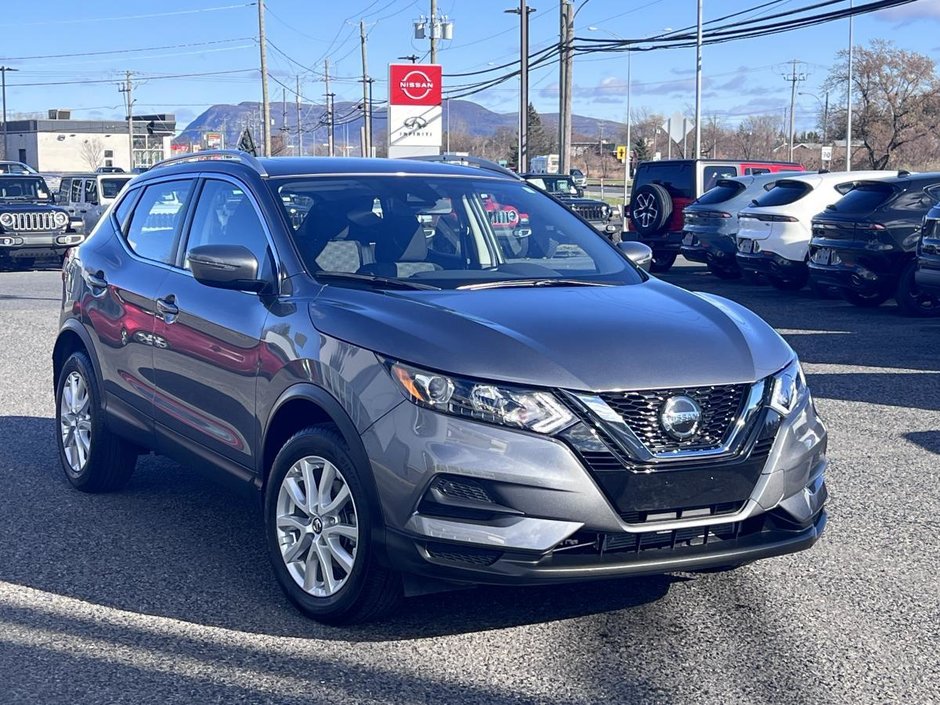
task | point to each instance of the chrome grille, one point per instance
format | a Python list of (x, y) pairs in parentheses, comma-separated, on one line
[(720, 406), (34, 221)]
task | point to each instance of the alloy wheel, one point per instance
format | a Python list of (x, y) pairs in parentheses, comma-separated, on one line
[(75, 422), (317, 526)]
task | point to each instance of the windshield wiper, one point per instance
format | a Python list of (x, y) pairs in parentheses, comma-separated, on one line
[(379, 282), (510, 283)]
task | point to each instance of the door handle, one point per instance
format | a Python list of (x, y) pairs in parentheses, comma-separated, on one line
[(167, 308), (96, 281)]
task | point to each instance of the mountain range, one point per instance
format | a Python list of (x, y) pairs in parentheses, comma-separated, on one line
[(466, 117)]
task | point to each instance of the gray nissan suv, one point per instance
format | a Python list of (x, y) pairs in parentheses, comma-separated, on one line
[(422, 394)]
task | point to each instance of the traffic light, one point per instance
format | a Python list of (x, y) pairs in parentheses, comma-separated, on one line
[(621, 152)]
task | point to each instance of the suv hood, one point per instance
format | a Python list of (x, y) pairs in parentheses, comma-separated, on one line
[(641, 336), (31, 206)]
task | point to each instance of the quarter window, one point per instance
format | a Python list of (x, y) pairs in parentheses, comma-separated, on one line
[(123, 209), (225, 215), (77, 186), (91, 191), (157, 219)]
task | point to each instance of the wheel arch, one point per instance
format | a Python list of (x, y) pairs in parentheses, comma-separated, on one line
[(73, 338)]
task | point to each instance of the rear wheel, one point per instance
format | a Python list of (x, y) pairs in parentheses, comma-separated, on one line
[(94, 459), (662, 261), (866, 299), (319, 520), (724, 272), (911, 300)]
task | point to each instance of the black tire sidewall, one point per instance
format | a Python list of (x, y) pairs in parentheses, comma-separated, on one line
[(660, 200), (79, 362), (663, 261), (326, 442), (906, 297)]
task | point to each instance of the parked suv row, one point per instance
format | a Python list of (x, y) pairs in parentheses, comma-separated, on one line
[(662, 189), (87, 196), (854, 233)]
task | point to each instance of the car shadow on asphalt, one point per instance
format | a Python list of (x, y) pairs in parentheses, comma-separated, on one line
[(928, 440), (175, 544)]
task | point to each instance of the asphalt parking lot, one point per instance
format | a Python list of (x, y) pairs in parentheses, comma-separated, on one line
[(162, 593)]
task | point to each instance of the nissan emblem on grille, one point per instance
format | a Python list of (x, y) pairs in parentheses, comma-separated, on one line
[(680, 417)]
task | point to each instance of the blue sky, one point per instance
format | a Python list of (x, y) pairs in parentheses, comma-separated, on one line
[(741, 78)]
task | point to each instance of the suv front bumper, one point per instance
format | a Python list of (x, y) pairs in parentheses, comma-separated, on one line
[(15, 245), (471, 502)]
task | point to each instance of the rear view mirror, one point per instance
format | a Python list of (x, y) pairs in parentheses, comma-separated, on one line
[(225, 267), (638, 253)]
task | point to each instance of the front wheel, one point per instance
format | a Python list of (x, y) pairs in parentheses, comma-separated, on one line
[(911, 300), (319, 520), (94, 459), (662, 261)]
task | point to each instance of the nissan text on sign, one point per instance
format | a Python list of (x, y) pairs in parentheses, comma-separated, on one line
[(414, 110)]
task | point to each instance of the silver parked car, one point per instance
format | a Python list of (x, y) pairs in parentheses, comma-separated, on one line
[(87, 196), (423, 395)]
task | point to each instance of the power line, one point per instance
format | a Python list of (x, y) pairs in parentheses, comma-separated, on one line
[(149, 78), (126, 51), (45, 23)]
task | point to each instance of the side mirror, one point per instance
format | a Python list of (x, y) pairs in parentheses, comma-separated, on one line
[(638, 253), (226, 267)]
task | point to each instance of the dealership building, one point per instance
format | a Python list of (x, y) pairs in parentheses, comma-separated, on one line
[(60, 144)]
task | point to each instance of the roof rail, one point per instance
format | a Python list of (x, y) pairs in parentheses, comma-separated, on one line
[(466, 160), (216, 155)]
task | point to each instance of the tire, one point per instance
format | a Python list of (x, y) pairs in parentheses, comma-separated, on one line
[(301, 540), (867, 300), (726, 273), (94, 459), (650, 208), (911, 301), (794, 283), (662, 261)]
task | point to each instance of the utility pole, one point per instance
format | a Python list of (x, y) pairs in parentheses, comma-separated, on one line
[(300, 134), (793, 78), (434, 33), (128, 90), (3, 76), (825, 134), (265, 103), (284, 131), (848, 95), (565, 64), (329, 108), (522, 143), (698, 87), (366, 102)]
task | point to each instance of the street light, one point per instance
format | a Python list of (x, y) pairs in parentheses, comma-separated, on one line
[(825, 107), (3, 74), (628, 157)]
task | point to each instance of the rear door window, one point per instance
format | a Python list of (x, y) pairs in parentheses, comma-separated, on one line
[(78, 186), (678, 178), (724, 190), (864, 198), (784, 193), (157, 219)]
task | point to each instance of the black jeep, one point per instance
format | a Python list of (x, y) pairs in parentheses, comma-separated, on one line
[(571, 195), (31, 226)]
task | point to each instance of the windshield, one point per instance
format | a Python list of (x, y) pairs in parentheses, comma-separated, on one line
[(111, 187), (443, 231), (32, 188), (556, 185)]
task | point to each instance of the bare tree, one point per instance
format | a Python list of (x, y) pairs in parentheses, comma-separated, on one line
[(92, 152), (756, 137), (897, 102)]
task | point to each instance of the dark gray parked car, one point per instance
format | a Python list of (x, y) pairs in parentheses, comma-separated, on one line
[(423, 399)]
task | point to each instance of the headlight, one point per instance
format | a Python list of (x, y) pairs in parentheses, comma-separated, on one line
[(788, 388), (531, 410), (6, 219), (61, 218)]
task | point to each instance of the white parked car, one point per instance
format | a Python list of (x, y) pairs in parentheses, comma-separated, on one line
[(775, 230)]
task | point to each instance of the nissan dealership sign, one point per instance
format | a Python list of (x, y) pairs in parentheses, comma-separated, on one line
[(414, 110)]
